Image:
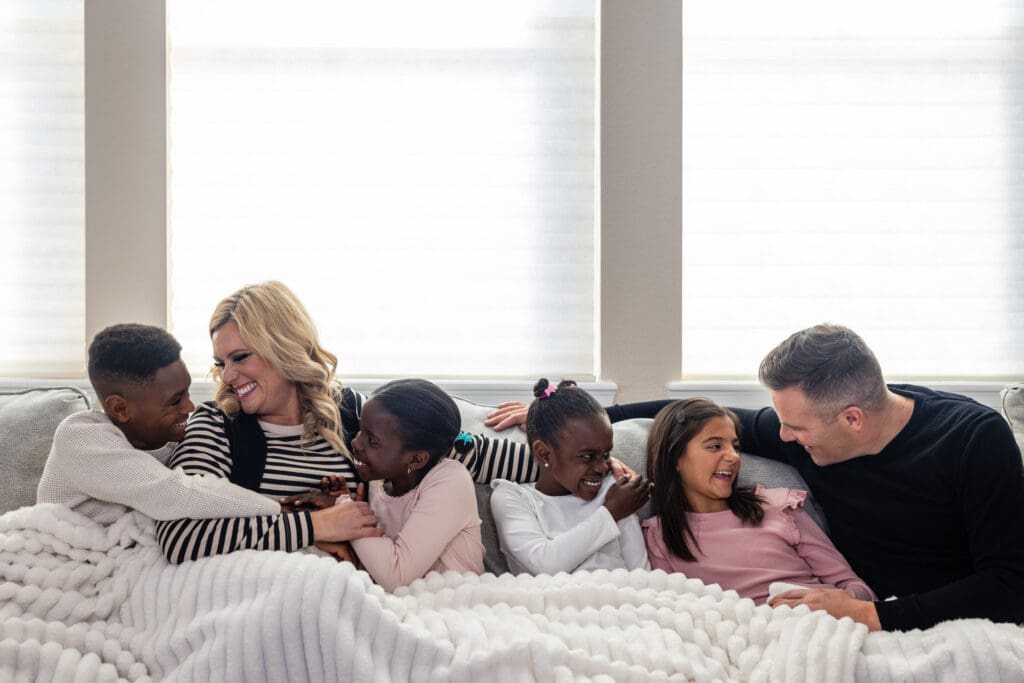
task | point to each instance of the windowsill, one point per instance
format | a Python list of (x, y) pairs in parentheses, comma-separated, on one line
[(750, 394), (736, 393), (486, 392)]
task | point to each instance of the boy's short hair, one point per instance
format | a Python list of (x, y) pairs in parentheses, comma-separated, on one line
[(129, 353)]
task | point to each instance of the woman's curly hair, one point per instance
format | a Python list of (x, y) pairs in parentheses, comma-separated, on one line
[(277, 327)]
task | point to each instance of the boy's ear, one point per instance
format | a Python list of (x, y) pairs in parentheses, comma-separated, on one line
[(417, 460), (542, 452), (118, 408)]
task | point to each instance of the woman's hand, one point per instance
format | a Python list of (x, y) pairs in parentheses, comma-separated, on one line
[(508, 414), (344, 522), (626, 496)]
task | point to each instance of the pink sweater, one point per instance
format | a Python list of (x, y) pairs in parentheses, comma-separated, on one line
[(787, 546), (433, 527)]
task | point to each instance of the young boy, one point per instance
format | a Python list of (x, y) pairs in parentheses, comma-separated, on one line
[(104, 463)]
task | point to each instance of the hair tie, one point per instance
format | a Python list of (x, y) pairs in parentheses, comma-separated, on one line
[(463, 437), (551, 388)]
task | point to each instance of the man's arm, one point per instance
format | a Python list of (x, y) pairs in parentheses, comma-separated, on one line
[(761, 434)]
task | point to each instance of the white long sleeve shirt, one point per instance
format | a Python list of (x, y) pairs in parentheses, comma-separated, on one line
[(542, 534), (93, 469)]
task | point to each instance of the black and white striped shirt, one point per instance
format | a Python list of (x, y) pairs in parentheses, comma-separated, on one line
[(293, 466)]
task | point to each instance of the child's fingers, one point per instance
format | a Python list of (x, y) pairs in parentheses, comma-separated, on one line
[(360, 493)]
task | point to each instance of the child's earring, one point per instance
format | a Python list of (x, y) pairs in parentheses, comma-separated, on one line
[(408, 470), (547, 464)]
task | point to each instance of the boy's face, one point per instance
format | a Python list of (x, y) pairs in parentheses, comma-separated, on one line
[(154, 414)]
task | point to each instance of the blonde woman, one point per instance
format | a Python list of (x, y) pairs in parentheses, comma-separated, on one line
[(280, 424)]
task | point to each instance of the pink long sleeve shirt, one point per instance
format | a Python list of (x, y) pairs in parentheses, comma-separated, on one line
[(788, 546), (435, 527)]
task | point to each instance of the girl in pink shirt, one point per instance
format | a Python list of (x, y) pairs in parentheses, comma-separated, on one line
[(708, 528), (424, 502)]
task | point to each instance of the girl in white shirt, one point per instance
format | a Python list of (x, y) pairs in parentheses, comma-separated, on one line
[(576, 517)]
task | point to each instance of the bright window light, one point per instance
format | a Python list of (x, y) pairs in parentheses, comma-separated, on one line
[(421, 174), (858, 164)]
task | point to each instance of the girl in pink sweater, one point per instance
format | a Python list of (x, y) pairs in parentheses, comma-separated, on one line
[(708, 528), (424, 502)]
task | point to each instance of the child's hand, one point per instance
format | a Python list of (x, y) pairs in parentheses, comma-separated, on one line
[(343, 552), (620, 469), (334, 485), (310, 500), (626, 496)]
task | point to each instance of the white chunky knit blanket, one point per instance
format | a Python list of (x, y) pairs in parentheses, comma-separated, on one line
[(83, 602)]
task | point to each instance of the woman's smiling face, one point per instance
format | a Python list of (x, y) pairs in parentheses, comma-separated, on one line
[(709, 465), (261, 389)]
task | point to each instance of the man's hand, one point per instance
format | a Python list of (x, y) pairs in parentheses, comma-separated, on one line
[(835, 601), (508, 414)]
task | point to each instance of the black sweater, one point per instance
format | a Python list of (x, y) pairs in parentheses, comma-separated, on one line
[(935, 519)]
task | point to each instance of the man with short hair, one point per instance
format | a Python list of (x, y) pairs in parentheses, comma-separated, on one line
[(923, 490)]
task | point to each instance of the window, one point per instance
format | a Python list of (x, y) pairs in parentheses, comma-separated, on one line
[(422, 175), (859, 164), (42, 188)]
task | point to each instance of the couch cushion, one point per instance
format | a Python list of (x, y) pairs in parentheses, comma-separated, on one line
[(28, 420), (1013, 409)]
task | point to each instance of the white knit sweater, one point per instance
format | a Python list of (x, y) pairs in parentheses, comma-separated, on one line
[(93, 469)]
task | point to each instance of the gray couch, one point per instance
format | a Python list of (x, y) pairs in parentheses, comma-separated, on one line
[(28, 419)]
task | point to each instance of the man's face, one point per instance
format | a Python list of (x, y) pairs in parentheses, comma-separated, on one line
[(827, 441)]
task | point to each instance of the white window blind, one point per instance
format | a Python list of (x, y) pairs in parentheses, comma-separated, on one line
[(42, 196), (421, 174), (858, 163)]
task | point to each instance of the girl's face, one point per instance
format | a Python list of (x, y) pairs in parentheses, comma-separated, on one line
[(378, 449), (261, 389), (578, 461), (709, 466)]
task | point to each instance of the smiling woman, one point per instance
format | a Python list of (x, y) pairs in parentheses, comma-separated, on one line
[(280, 424)]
